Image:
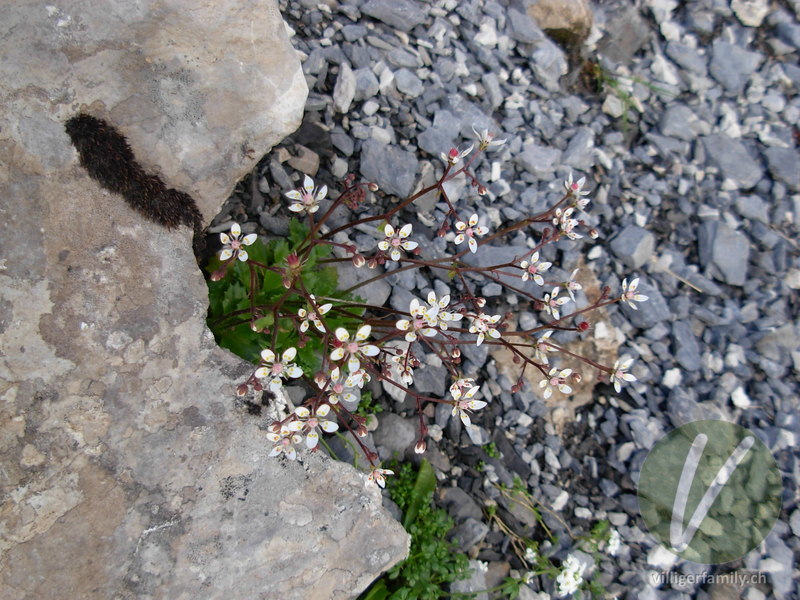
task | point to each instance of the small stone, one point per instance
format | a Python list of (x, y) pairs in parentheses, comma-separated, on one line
[(580, 150), (539, 160), (549, 64), (626, 33), (792, 279), (570, 19), (740, 398), (400, 14), (345, 89), (732, 65), (394, 435), (634, 246), (685, 347), (397, 180), (408, 83), (459, 504), (784, 164), (366, 84), (750, 12), (681, 122), (672, 378), (469, 533), (733, 159), (306, 161), (522, 28), (613, 106), (726, 249)]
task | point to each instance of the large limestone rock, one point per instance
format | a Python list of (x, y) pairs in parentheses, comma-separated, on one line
[(127, 472)]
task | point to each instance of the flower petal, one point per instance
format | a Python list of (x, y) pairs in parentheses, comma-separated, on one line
[(249, 239), (342, 335), (225, 254), (243, 256), (405, 231), (312, 439), (363, 333), (236, 230)]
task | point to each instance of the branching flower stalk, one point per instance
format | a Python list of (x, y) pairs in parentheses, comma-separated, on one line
[(334, 342)]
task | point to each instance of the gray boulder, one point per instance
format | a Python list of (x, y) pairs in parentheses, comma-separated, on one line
[(128, 470)]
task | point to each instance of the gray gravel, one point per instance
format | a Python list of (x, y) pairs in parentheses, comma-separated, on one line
[(696, 191)]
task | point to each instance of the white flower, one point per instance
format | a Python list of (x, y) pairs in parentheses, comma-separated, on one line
[(277, 371), (353, 349), (543, 347), (462, 400), (486, 139), (396, 240), (419, 322), (404, 366), (312, 315), (571, 576), (284, 442), (483, 325), (613, 542), (558, 379), (572, 285), (436, 314), (306, 198), (469, 231), (553, 302), (308, 422), (620, 372), (565, 222), (575, 190), (532, 268), (234, 245), (376, 476), (629, 295), (339, 384), (454, 155), (530, 554), (426, 320)]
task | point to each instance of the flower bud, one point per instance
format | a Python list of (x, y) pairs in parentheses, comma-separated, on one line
[(362, 431), (456, 353), (584, 326), (242, 390), (358, 261), (480, 302), (257, 386), (420, 447), (254, 327), (274, 427), (293, 260), (219, 274), (373, 187), (286, 281), (372, 263), (320, 379), (576, 377), (482, 191), (594, 234)]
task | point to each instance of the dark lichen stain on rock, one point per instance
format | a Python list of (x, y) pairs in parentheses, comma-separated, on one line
[(235, 486), (108, 159)]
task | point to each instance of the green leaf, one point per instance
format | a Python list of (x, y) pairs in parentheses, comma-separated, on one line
[(422, 492)]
